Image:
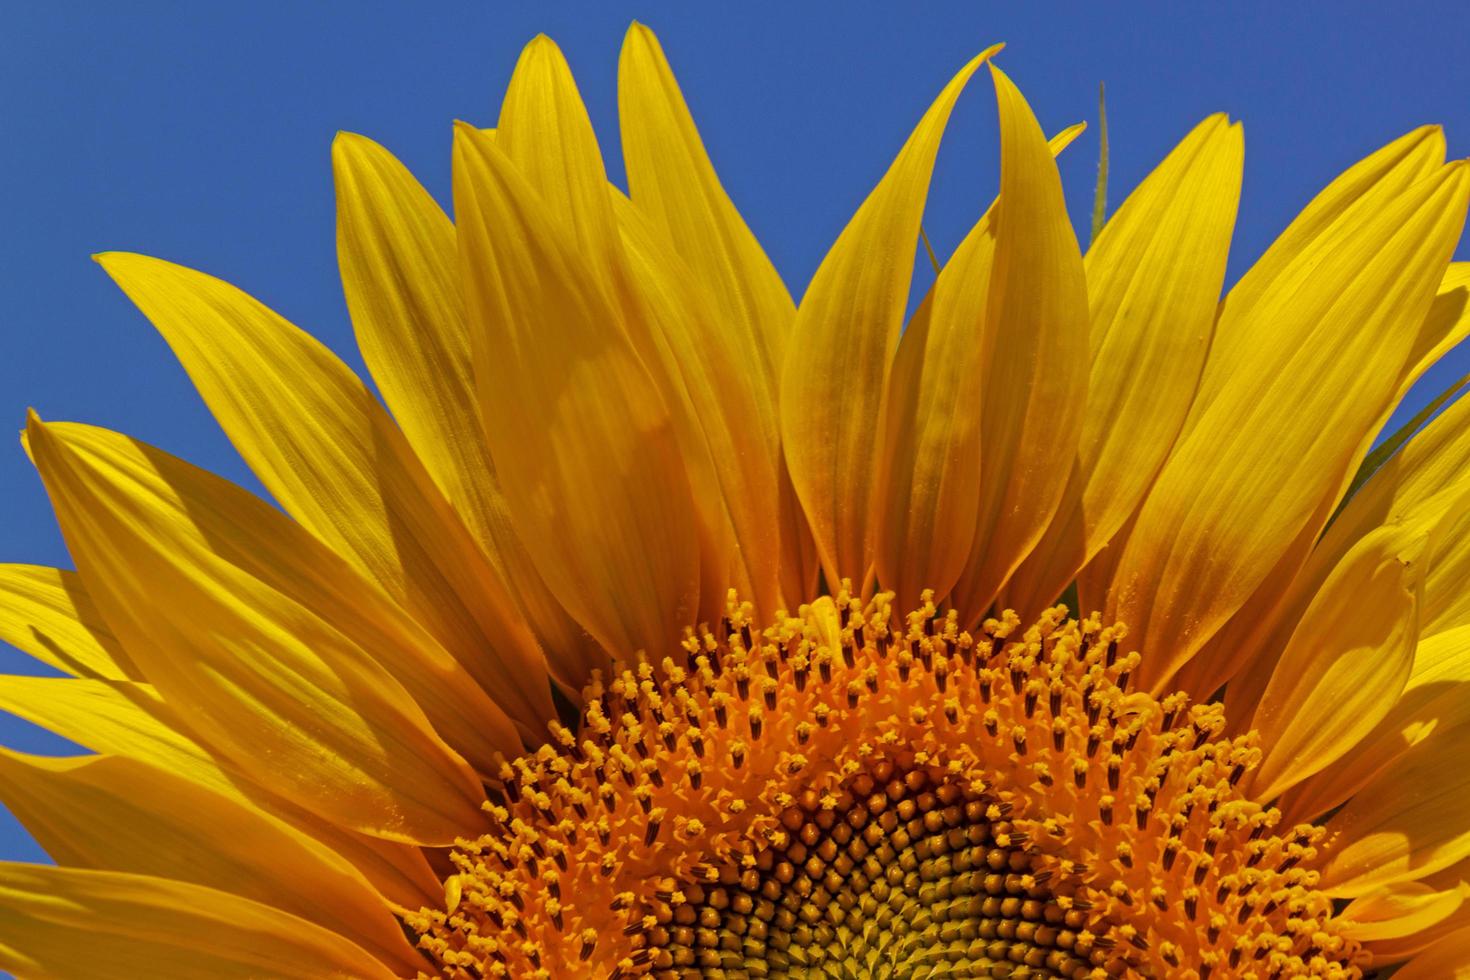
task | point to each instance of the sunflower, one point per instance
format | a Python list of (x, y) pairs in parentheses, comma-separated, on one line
[(668, 628)]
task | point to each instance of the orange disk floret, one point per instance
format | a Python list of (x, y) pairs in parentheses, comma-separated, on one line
[(851, 794)]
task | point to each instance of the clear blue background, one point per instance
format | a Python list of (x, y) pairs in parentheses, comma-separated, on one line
[(200, 133)]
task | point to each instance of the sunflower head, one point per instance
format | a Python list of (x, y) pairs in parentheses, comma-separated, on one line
[(653, 624), (852, 793)]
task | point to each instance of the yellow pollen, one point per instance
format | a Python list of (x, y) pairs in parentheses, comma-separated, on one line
[(851, 793)]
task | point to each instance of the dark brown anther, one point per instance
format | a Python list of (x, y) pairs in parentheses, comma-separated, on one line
[(1094, 709)]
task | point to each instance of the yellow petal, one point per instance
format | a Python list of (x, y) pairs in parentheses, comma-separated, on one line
[(47, 613), (1447, 324), (1363, 189), (1360, 191), (116, 717), (197, 510), (1410, 487), (1035, 383), (1446, 604), (116, 814), (729, 443), (546, 134), (929, 479), (1413, 915), (1447, 959), (1431, 705), (1246, 647), (1397, 911), (268, 684), (672, 182), (1407, 823), (1153, 278), (1266, 459), (581, 438), (929, 476), (400, 274), (107, 925), (327, 450), (834, 381), (801, 566), (928, 483), (129, 720), (1347, 662)]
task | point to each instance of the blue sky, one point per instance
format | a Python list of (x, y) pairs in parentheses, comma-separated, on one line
[(200, 133)]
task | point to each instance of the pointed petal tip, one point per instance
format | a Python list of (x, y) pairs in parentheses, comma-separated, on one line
[(542, 46), (345, 140), (111, 258), (117, 264)]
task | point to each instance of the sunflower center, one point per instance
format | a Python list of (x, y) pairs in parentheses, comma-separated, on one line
[(852, 794), (903, 871)]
